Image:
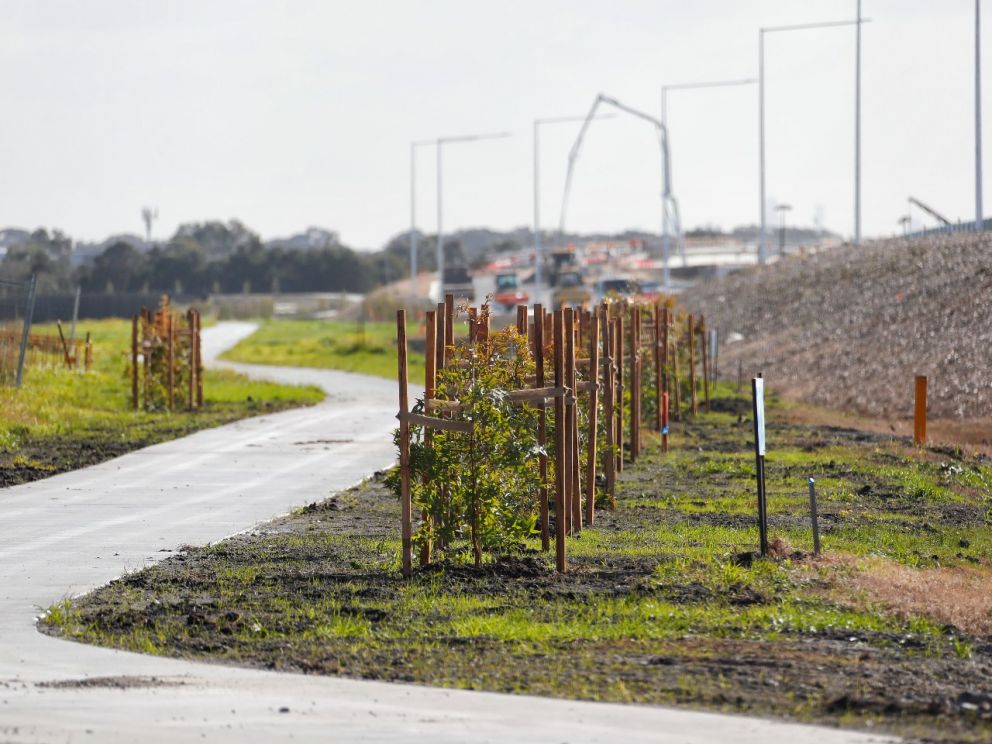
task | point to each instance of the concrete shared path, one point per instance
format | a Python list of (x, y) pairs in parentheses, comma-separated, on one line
[(71, 533)]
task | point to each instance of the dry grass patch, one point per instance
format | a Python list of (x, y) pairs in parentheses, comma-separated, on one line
[(960, 596)]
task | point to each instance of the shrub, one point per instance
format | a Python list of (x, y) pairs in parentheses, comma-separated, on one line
[(480, 486)]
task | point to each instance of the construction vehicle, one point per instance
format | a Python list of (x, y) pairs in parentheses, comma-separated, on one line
[(570, 291), (508, 293), (458, 282)]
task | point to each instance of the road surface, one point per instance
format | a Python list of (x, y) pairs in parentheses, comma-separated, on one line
[(73, 532)]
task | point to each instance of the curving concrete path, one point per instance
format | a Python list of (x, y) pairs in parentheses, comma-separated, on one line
[(73, 532)]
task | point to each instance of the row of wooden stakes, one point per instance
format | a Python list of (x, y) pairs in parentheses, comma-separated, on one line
[(614, 360)]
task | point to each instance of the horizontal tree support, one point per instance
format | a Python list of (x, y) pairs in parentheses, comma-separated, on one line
[(417, 419)]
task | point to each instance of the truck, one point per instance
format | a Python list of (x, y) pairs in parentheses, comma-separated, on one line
[(508, 293), (458, 282)]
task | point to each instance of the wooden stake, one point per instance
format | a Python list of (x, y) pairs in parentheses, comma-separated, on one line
[(575, 478), (171, 361), (522, 320), (659, 387), (134, 362), (920, 411), (65, 347), (623, 368), (560, 467), (439, 337), (449, 326), (146, 350), (594, 378), (567, 341), (405, 499), (609, 403), (199, 360), (430, 388), (542, 424), (191, 376), (472, 330), (665, 382), (635, 382), (693, 404), (441, 357), (706, 366)]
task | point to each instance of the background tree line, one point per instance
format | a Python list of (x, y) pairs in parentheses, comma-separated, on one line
[(206, 258)]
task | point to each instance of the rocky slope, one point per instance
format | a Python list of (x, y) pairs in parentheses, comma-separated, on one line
[(851, 327)]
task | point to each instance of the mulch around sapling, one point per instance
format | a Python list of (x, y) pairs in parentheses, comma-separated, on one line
[(665, 602)]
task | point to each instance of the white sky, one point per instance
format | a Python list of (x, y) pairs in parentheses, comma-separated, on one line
[(292, 113)]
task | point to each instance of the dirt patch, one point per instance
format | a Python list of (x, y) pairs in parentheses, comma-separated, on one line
[(119, 682)]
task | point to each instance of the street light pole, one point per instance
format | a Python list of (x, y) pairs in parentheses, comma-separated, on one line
[(440, 142), (413, 212), (761, 142), (439, 247), (664, 121), (763, 241), (538, 254), (857, 129), (979, 210)]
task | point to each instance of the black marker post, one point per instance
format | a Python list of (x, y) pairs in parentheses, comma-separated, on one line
[(758, 407)]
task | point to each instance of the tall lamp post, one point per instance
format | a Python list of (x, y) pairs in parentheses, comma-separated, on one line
[(979, 211), (763, 241), (440, 142), (538, 248), (413, 212), (664, 121)]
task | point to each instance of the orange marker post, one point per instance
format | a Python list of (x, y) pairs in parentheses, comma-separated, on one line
[(920, 411)]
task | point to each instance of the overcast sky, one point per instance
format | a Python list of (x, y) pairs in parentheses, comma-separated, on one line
[(291, 113)]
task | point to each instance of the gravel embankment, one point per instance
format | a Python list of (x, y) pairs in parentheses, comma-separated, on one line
[(850, 328)]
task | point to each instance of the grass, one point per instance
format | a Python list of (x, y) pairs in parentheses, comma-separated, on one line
[(368, 348), (62, 419), (666, 601)]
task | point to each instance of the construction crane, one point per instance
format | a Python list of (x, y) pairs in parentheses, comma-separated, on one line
[(930, 211)]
